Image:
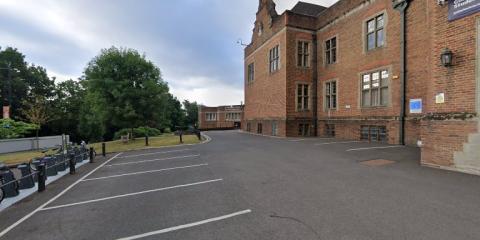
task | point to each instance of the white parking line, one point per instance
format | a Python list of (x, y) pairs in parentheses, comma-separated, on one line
[(54, 198), (180, 227), (329, 143), (129, 194), (297, 140), (152, 160), (144, 172), (368, 148), (146, 154)]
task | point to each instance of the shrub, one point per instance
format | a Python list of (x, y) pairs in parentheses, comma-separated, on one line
[(167, 130), (14, 129)]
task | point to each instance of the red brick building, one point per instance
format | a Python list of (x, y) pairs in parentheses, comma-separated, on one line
[(372, 70), (222, 117)]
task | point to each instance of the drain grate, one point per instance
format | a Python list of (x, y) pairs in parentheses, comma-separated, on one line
[(377, 162)]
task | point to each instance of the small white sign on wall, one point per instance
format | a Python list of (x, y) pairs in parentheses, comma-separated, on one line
[(440, 98)]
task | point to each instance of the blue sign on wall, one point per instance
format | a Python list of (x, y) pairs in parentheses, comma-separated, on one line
[(415, 105), (462, 8)]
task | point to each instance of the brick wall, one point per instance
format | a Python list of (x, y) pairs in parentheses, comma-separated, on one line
[(442, 128)]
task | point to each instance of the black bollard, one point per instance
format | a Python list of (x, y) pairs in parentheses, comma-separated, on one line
[(92, 157), (42, 176), (181, 135), (199, 135), (72, 164), (103, 150), (146, 140)]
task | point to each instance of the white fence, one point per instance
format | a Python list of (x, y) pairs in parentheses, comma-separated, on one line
[(27, 144)]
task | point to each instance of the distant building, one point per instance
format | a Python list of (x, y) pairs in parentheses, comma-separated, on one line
[(341, 72), (222, 117)]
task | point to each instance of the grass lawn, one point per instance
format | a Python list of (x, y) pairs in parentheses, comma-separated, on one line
[(139, 143), (111, 147), (20, 157)]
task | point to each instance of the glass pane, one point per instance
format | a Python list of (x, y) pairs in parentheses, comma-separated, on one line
[(327, 57), (376, 76), (380, 21), (366, 98), (305, 49), (327, 88), (366, 78), (334, 42), (374, 133), (371, 26), (380, 39), (334, 101), (384, 97), (305, 103), (299, 104), (384, 74), (300, 49), (364, 133), (299, 60), (328, 45), (366, 86), (375, 97), (299, 90), (334, 55), (334, 87), (382, 134), (327, 101), (384, 82), (371, 41), (305, 90), (376, 82)]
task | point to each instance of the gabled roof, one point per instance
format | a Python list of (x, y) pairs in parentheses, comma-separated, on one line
[(308, 9)]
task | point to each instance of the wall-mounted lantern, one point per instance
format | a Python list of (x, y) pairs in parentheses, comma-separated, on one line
[(446, 57)]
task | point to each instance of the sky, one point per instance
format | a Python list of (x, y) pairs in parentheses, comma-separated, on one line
[(193, 42)]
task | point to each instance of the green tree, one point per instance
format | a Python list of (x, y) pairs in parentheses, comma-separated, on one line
[(27, 81), (123, 90), (175, 113), (67, 101), (38, 112), (191, 110)]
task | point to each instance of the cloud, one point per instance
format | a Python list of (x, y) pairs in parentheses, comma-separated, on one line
[(192, 41)]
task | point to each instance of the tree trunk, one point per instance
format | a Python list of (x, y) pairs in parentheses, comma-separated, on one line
[(38, 140)]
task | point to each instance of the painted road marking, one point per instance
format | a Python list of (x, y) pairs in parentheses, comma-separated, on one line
[(329, 143), (189, 225), (297, 140), (144, 172), (130, 194), (153, 153), (368, 148), (152, 160), (54, 198)]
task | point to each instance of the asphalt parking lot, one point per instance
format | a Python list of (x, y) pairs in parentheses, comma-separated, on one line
[(241, 186)]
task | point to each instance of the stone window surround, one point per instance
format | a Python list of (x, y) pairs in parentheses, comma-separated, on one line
[(365, 31)]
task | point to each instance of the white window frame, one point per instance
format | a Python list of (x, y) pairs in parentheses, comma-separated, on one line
[(274, 59)]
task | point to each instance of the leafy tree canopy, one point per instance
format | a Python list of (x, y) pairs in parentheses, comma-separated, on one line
[(123, 90)]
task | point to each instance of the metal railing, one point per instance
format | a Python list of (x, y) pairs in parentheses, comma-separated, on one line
[(38, 172)]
